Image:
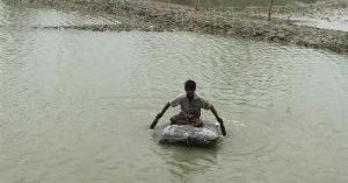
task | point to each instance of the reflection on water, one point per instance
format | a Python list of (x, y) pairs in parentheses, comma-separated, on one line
[(188, 163), (75, 105)]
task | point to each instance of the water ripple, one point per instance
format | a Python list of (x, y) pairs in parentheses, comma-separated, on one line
[(79, 103)]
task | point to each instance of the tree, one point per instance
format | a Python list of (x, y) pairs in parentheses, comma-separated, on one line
[(196, 4), (270, 9)]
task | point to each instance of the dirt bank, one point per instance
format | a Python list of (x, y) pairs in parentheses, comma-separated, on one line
[(157, 16)]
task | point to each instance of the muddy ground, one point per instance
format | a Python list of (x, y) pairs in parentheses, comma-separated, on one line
[(250, 22)]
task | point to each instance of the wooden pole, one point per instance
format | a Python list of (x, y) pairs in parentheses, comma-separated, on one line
[(270, 10), (196, 4)]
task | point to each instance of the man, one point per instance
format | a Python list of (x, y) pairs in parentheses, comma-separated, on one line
[(191, 105)]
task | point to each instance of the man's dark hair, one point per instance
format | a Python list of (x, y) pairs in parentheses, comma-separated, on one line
[(190, 85)]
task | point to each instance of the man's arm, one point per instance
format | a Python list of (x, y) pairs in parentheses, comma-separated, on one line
[(159, 115), (221, 122)]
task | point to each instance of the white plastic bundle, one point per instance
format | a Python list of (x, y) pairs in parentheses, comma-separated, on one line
[(209, 134)]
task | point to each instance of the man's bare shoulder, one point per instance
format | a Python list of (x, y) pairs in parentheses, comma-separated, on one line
[(200, 97), (180, 96)]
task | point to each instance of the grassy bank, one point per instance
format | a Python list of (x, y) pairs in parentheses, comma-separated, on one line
[(157, 16)]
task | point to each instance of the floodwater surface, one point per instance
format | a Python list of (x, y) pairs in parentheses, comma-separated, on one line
[(75, 106)]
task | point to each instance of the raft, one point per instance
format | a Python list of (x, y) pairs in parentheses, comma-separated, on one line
[(208, 134)]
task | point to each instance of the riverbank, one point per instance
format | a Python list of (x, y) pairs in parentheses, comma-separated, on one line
[(324, 14), (157, 16)]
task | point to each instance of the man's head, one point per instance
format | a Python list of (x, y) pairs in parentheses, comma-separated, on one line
[(190, 88)]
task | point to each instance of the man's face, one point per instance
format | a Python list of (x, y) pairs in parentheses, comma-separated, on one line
[(190, 93)]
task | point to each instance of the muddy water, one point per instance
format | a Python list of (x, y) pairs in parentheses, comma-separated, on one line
[(75, 105)]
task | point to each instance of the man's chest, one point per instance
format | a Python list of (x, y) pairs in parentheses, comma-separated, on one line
[(192, 105)]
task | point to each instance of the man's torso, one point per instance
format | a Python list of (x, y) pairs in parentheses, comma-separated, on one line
[(190, 107)]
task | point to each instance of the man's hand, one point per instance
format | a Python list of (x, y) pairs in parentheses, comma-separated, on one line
[(159, 115), (220, 120), (155, 121), (223, 130), (222, 126), (153, 124)]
